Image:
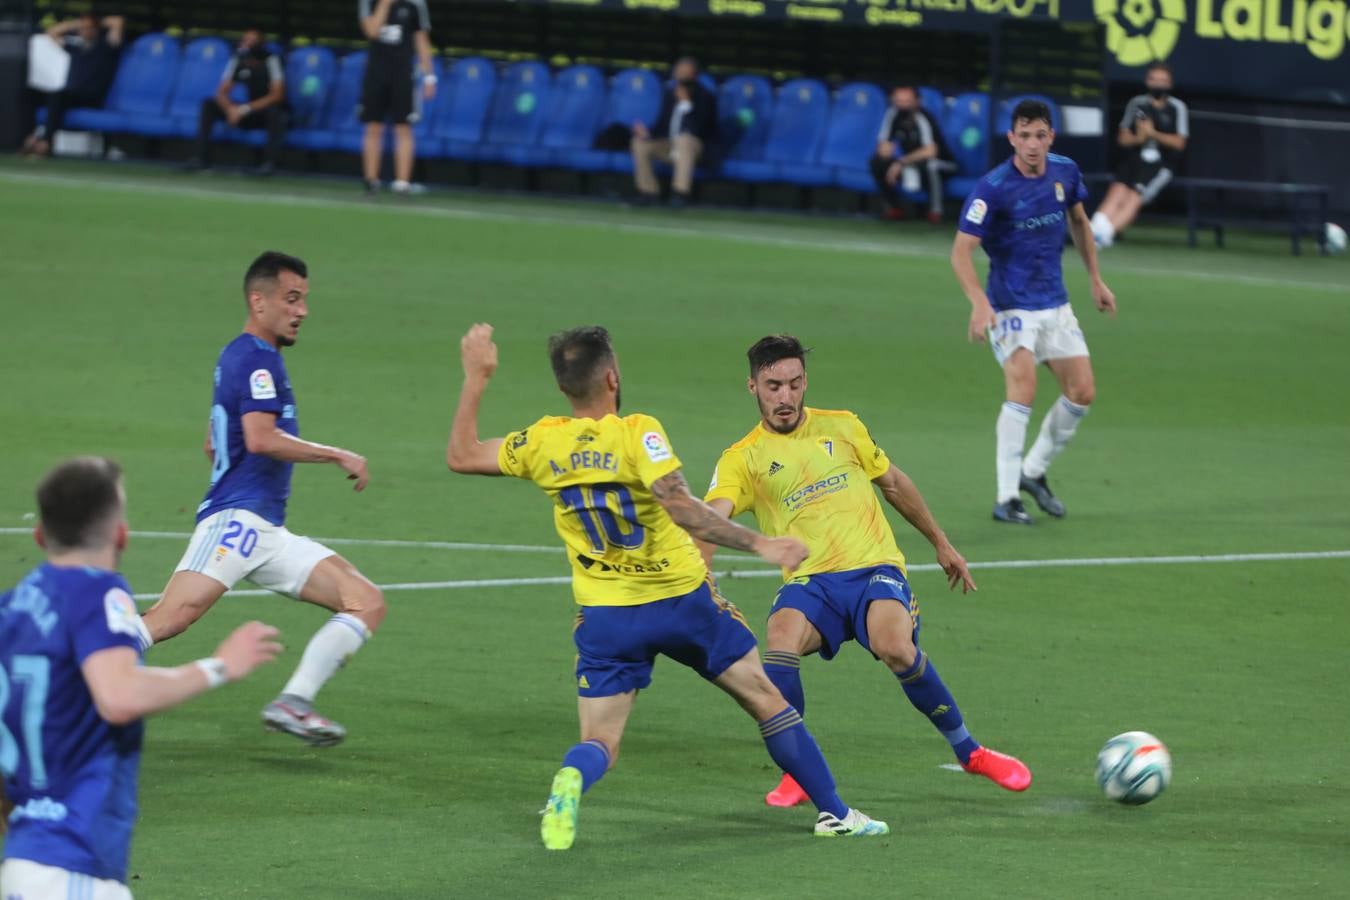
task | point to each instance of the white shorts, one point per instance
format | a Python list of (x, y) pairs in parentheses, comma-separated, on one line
[(234, 544), (1047, 333), (21, 879)]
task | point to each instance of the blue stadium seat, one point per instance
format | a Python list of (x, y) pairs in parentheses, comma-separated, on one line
[(427, 113), (468, 87), (310, 74), (800, 115), (967, 131), (934, 103), (340, 115), (518, 110), (1006, 107), (851, 137), (140, 89), (576, 105), (203, 63), (744, 115), (634, 96)]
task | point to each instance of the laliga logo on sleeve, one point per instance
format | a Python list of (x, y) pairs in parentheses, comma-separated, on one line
[(978, 210), (122, 617), (657, 448), (261, 385)]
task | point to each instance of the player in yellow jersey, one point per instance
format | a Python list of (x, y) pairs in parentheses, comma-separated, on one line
[(623, 509), (808, 473)]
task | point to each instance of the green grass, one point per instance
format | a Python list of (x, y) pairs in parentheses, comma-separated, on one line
[(1221, 427)]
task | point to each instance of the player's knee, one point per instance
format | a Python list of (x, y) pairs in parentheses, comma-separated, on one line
[(1082, 393), (165, 621), (366, 602), (896, 651)]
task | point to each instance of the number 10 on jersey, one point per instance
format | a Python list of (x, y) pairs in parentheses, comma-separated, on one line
[(604, 528)]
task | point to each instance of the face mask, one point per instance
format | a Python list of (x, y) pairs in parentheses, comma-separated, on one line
[(688, 82), (1157, 93)]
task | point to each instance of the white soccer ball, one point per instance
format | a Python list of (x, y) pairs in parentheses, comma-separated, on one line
[(1335, 236), (1134, 767)]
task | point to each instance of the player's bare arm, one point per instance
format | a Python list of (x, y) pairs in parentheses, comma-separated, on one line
[(124, 690), (422, 40), (723, 508), (1080, 227), (902, 493), (982, 317), (705, 524), (372, 23), (465, 453), (262, 436)]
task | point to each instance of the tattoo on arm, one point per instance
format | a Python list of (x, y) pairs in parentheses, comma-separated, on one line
[(697, 517)]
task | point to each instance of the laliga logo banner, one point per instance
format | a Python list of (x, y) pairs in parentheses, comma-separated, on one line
[(1140, 31)]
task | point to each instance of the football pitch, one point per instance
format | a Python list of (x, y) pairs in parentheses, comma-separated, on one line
[(1221, 429)]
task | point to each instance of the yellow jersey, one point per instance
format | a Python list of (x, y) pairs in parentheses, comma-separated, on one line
[(624, 547), (814, 484)]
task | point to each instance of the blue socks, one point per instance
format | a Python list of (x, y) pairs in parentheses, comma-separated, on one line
[(796, 752), (591, 758), (925, 690), (784, 669)]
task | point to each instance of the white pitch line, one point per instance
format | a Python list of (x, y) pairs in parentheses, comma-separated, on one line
[(1071, 562)]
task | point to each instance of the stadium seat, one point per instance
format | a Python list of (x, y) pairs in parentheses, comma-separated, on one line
[(518, 110), (851, 138), (744, 107), (140, 89), (934, 103), (1006, 107), (203, 63), (339, 117), (310, 73), (800, 115), (427, 112), (462, 114), (576, 105), (967, 130), (634, 96)]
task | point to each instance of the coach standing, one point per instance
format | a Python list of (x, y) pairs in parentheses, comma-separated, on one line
[(396, 29), (1153, 133)]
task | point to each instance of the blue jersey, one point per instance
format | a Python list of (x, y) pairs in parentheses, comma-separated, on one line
[(250, 377), (1021, 223), (70, 775)]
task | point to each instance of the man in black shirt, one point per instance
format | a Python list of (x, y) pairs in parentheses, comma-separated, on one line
[(93, 44), (911, 153), (685, 124), (258, 70), (1153, 131), (397, 30)]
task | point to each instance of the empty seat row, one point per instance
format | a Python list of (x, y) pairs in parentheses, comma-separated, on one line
[(526, 115)]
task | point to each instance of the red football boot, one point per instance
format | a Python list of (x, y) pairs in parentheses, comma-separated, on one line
[(1007, 772), (788, 793)]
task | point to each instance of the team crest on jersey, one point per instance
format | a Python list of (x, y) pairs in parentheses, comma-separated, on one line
[(978, 210), (261, 385), (655, 445), (1059, 191), (122, 617)]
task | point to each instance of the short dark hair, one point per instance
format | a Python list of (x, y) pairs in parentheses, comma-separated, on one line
[(269, 265), (1158, 66), (1031, 111), (577, 356), (776, 347), (76, 498)]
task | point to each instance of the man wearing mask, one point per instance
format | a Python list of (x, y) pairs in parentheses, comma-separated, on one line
[(1153, 131), (255, 72), (93, 45), (683, 127), (910, 155)]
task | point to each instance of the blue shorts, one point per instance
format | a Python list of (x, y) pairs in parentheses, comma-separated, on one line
[(618, 645), (836, 603)]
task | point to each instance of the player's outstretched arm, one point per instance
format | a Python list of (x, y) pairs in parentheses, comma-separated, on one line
[(262, 436), (963, 264), (723, 508), (705, 524), (465, 453), (901, 493), (124, 690), (1080, 227)]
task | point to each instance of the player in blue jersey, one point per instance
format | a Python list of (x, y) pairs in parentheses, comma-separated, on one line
[(73, 692), (1019, 212), (254, 439)]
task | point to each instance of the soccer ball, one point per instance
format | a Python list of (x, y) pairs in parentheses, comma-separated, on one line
[(1134, 767), (1335, 237)]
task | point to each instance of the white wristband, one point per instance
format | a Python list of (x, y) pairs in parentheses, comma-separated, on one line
[(245, 109), (214, 670), (430, 79)]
